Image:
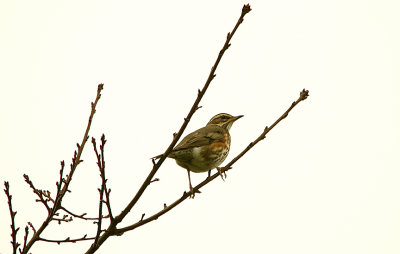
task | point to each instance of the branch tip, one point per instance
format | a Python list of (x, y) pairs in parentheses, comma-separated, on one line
[(246, 9), (304, 94)]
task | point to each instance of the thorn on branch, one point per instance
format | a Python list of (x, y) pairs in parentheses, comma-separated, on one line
[(142, 216), (153, 161)]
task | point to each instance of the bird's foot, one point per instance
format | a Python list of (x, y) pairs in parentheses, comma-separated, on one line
[(221, 173), (193, 192)]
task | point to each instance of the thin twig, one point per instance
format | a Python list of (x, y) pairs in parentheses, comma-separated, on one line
[(103, 189), (63, 184), (25, 238), (14, 230), (82, 216), (104, 180), (67, 240), (112, 227), (39, 193), (141, 222)]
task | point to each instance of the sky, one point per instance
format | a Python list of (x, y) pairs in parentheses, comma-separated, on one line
[(325, 180)]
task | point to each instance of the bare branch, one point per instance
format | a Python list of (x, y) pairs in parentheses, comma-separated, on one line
[(103, 189), (32, 227), (112, 227), (141, 222), (25, 238), (67, 240), (63, 184), (53, 206), (82, 216), (39, 193), (14, 230)]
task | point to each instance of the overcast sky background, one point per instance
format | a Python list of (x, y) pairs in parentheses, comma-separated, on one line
[(326, 179)]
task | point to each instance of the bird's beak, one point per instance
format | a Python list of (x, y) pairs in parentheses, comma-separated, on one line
[(237, 117)]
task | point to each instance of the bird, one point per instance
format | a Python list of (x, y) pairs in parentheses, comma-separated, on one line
[(205, 148)]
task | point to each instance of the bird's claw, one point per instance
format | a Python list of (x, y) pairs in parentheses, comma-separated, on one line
[(221, 173), (193, 192)]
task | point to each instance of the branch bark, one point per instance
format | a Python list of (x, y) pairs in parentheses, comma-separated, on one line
[(142, 221), (54, 205), (62, 185), (14, 230), (111, 230)]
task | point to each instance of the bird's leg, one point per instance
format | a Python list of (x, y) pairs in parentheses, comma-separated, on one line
[(222, 174), (209, 173), (190, 185)]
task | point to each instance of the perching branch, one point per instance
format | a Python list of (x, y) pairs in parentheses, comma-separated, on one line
[(142, 221), (111, 230), (54, 205)]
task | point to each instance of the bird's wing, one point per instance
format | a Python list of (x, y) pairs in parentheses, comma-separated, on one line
[(201, 137)]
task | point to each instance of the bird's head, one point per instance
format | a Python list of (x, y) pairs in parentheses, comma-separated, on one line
[(224, 120)]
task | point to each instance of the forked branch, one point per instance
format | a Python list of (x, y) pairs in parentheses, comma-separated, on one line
[(142, 221), (111, 230), (54, 204), (62, 184)]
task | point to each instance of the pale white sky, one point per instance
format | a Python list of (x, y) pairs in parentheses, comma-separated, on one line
[(326, 180)]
